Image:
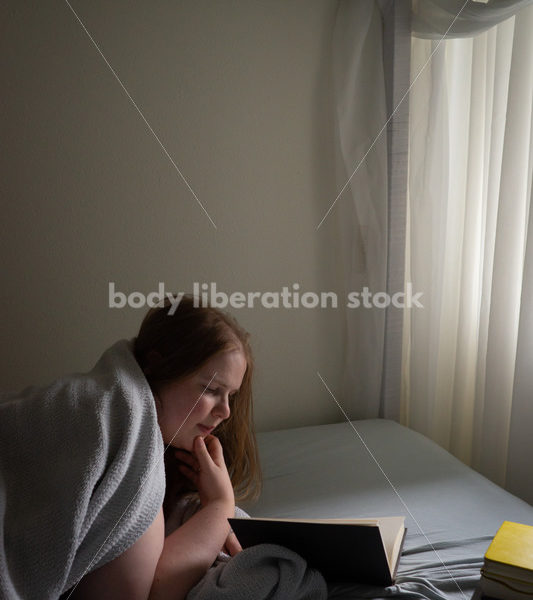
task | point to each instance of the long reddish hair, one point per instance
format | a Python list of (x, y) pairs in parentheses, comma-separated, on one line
[(185, 341)]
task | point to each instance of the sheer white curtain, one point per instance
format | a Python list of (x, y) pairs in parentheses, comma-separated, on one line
[(433, 19), (371, 50), (468, 358), (361, 210)]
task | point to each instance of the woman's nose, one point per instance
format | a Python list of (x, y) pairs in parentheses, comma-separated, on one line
[(222, 409)]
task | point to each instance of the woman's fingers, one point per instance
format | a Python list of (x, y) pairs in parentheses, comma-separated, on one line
[(204, 450), (232, 545), (200, 451), (204, 466), (189, 473), (213, 481), (187, 458), (214, 449), (208, 450)]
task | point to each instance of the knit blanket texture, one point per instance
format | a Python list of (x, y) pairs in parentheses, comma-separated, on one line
[(81, 475)]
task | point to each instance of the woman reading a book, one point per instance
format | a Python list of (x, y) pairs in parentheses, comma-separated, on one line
[(182, 390), (199, 365)]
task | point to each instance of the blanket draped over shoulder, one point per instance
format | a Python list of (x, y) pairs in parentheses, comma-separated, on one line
[(81, 475)]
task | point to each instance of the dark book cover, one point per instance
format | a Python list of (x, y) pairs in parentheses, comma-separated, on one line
[(340, 551)]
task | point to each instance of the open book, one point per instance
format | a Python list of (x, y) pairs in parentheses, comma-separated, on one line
[(357, 550)]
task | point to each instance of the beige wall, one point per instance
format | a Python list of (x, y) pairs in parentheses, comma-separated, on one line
[(239, 94)]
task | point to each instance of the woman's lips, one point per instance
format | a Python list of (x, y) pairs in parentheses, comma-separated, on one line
[(205, 430)]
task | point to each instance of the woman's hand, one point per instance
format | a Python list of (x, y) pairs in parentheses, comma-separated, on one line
[(206, 468), (232, 545)]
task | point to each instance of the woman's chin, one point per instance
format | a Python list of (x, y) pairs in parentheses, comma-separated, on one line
[(183, 445), (188, 442)]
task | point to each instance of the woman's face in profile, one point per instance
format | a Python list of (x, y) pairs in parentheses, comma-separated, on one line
[(198, 403)]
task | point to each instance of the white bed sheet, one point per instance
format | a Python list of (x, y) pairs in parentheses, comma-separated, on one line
[(451, 511)]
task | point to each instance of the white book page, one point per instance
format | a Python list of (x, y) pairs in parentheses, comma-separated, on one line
[(372, 522), (391, 529)]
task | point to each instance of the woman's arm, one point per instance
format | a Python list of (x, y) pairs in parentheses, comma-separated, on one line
[(189, 551), (130, 575), (192, 548)]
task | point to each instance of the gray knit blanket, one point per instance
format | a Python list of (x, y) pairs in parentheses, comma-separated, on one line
[(263, 572), (81, 475)]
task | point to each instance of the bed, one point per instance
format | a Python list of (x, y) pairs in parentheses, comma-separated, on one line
[(377, 467)]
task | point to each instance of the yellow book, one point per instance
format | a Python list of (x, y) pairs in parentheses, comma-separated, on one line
[(512, 546), (508, 565)]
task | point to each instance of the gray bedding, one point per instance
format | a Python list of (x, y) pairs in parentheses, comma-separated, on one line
[(451, 511)]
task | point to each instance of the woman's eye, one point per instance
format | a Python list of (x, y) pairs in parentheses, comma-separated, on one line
[(211, 391)]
